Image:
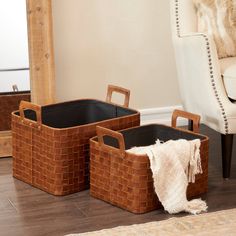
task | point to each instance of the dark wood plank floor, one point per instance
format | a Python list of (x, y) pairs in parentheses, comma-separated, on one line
[(26, 211)]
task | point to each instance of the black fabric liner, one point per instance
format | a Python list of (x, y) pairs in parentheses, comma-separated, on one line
[(148, 134), (75, 113)]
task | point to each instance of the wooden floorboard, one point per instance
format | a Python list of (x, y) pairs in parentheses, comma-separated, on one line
[(26, 211)]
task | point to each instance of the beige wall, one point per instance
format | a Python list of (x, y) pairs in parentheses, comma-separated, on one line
[(121, 42)]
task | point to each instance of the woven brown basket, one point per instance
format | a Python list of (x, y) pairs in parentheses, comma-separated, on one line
[(125, 179), (51, 143)]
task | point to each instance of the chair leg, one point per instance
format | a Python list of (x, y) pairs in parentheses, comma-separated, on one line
[(226, 147), (190, 125)]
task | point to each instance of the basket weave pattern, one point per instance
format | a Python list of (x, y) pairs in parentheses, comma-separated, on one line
[(54, 160), (127, 182), (125, 179)]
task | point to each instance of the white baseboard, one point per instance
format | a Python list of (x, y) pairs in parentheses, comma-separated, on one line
[(160, 115)]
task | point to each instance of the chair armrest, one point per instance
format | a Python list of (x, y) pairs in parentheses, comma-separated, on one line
[(202, 89)]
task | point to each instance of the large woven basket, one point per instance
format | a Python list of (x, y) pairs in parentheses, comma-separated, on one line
[(125, 179), (51, 143)]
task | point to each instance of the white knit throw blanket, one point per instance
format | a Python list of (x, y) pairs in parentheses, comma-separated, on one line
[(174, 164)]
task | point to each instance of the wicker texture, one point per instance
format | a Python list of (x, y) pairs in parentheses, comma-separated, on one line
[(9, 103), (125, 179), (56, 160)]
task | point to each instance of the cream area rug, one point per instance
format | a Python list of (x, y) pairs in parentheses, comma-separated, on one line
[(221, 223)]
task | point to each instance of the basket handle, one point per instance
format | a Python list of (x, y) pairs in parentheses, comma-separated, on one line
[(113, 88), (190, 116), (33, 107), (101, 132)]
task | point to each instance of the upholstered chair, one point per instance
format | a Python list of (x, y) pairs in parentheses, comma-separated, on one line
[(207, 84)]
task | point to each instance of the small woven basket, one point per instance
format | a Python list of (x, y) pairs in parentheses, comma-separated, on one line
[(51, 143), (125, 179)]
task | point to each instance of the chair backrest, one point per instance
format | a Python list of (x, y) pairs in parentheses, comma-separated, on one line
[(183, 17), (200, 85), (184, 22)]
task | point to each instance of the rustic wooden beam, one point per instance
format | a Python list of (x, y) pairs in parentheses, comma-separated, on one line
[(41, 52), (41, 58)]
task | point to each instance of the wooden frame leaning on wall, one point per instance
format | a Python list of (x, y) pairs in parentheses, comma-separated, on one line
[(41, 59), (41, 53)]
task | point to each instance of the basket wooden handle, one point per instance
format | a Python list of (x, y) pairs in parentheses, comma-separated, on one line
[(101, 132), (33, 107), (113, 88), (190, 116)]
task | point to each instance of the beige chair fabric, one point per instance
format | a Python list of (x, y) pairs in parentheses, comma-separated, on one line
[(228, 71), (202, 88)]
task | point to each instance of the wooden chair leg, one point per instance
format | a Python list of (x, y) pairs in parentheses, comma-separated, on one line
[(190, 125), (226, 147)]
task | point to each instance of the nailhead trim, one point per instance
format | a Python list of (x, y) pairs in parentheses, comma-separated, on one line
[(226, 124)]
